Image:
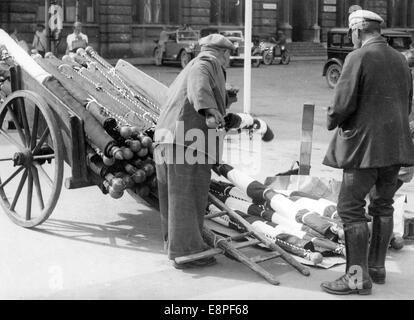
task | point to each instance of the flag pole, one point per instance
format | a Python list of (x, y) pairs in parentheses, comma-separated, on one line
[(247, 55), (47, 2)]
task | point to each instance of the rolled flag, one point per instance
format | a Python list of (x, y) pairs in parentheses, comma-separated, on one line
[(288, 242), (227, 189), (278, 202), (267, 215), (252, 188), (246, 121), (290, 227), (322, 206), (292, 210)]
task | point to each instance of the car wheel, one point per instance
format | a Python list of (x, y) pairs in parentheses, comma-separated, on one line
[(256, 62), (332, 74), (157, 58), (184, 58), (268, 58), (285, 58)]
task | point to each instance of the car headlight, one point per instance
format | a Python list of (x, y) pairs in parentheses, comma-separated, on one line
[(192, 46), (236, 44)]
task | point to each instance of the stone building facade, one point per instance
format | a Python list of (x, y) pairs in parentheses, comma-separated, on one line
[(128, 28)]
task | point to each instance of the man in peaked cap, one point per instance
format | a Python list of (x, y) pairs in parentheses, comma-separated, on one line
[(187, 147), (370, 111)]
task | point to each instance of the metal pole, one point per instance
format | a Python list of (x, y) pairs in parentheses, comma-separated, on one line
[(47, 25), (247, 55)]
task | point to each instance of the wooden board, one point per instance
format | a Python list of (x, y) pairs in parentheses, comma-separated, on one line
[(306, 141)]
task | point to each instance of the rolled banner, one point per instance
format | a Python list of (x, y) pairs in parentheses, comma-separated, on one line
[(246, 121), (75, 97), (280, 203), (293, 210), (227, 189), (114, 84), (288, 242), (251, 187), (321, 206), (266, 215), (22, 58), (285, 226)]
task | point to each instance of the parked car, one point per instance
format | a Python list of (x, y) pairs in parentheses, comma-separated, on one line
[(237, 38), (339, 45), (273, 51), (182, 46)]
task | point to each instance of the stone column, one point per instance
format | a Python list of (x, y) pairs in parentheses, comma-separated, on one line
[(404, 13), (316, 28), (285, 26)]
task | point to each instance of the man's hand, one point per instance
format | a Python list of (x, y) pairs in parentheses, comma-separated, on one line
[(214, 119)]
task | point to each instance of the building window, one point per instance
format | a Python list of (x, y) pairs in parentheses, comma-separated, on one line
[(156, 11), (227, 12), (73, 10)]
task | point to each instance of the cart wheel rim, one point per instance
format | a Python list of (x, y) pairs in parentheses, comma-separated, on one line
[(36, 142)]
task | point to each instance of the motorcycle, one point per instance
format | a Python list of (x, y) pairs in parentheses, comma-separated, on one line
[(274, 52)]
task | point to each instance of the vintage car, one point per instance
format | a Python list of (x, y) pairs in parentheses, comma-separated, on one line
[(181, 47), (236, 37), (339, 45)]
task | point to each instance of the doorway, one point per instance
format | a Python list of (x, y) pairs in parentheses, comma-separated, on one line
[(301, 24)]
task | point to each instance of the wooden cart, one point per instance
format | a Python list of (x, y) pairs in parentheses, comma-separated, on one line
[(45, 134)]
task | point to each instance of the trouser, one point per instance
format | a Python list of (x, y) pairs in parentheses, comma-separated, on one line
[(183, 196), (357, 184)]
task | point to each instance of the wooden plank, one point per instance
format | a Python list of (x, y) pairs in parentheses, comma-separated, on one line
[(306, 141), (246, 244), (263, 258), (196, 256)]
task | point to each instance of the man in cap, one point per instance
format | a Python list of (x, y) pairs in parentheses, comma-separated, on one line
[(187, 145), (370, 111)]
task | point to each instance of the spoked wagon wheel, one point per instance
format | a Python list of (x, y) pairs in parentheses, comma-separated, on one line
[(31, 159)]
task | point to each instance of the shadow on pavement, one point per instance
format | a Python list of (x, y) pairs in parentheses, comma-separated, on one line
[(138, 232)]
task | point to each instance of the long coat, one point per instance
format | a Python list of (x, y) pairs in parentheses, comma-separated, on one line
[(373, 99), (201, 85)]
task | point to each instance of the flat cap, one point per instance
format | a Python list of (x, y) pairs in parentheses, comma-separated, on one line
[(353, 8), (217, 41), (360, 18)]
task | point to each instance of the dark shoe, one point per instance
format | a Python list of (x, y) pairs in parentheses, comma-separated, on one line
[(204, 262), (346, 285), (380, 240), (356, 244)]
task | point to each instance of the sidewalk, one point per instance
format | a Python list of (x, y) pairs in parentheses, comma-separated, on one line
[(150, 60)]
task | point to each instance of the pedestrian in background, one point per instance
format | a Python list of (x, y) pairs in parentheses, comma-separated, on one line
[(77, 39), (373, 99), (40, 39)]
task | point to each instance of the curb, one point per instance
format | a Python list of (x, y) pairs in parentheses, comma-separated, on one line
[(150, 61)]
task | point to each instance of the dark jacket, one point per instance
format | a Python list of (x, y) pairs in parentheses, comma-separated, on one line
[(372, 102)]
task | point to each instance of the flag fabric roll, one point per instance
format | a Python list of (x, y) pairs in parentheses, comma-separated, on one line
[(290, 243)]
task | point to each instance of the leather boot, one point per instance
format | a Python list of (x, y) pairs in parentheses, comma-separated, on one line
[(380, 240), (356, 279)]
